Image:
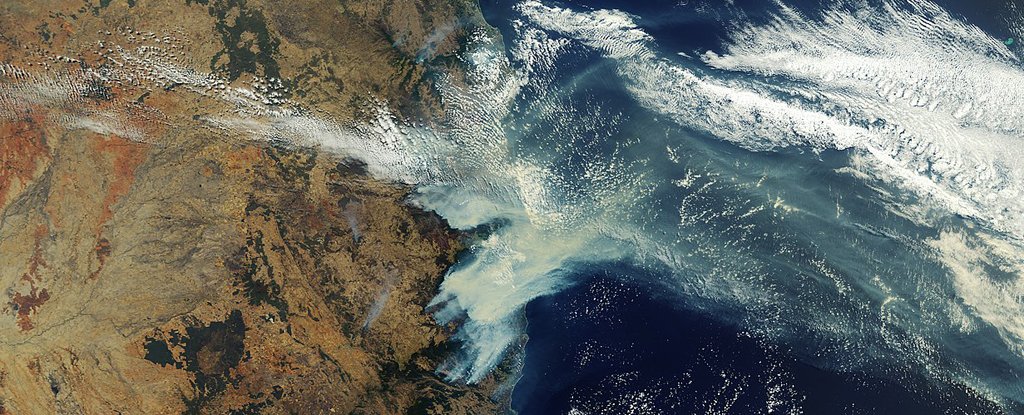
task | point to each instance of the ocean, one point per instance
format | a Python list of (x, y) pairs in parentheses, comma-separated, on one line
[(616, 344), (759, 207), (704, 206), (695, 206)]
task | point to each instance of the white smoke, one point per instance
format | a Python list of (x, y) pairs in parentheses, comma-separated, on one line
[(932, 100)]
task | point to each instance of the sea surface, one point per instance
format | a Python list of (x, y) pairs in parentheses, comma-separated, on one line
[(707, 206), (619, 345), (702, 206), (751, 207)]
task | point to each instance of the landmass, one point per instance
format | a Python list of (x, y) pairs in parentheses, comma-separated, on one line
[(153, 262)]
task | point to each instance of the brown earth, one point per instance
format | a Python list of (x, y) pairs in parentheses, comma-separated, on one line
[(153, 264)]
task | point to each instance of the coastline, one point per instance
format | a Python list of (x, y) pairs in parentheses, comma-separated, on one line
[(155, 261)]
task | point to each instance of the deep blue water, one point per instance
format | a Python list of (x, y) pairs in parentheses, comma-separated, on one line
[(613, 344), (630, 339)]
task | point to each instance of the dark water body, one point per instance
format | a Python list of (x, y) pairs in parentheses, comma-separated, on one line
[(697, 25), (613, 344), (628, 340)]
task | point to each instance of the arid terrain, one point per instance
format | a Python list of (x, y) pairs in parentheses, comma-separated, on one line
[(153, 262)]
